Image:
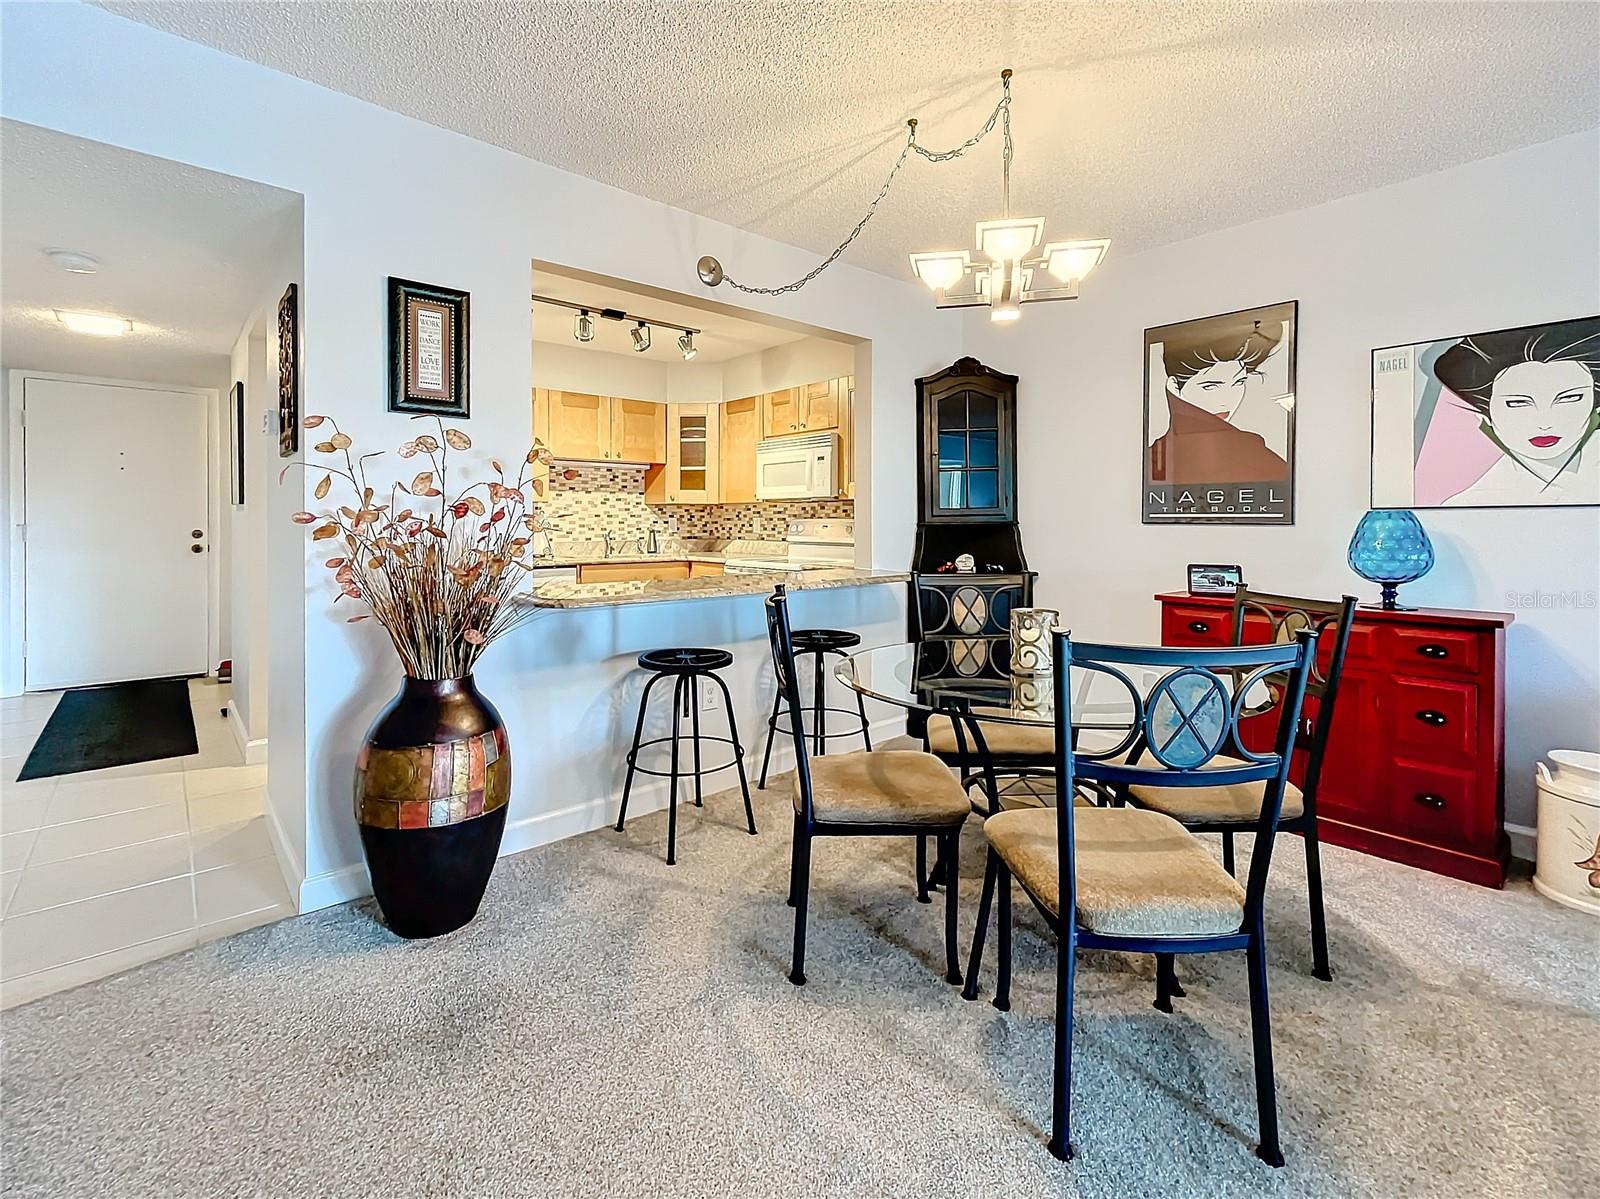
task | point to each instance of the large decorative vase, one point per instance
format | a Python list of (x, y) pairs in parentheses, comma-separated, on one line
[(432, 783), (1390, 547)]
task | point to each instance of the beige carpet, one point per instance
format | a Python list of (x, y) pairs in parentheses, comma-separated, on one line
[(613, 1027)]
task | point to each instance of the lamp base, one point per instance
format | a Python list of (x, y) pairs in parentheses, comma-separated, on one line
[(1389, 602), (1380, 606)]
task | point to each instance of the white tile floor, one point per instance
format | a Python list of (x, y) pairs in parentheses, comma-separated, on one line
[(103, 870)]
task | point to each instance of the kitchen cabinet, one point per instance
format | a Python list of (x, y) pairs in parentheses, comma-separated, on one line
[(638, 431), (706, 570), (812, 408), (781, 412), (741, 421), (583, 427), (630, 572), (690, 474)]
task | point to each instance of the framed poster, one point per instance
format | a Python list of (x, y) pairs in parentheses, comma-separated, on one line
[(236, 441), (289, 373), (1219, 397), (1491, 420), (428, 346)]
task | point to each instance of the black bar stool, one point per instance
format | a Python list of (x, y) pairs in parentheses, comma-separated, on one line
[(819, 643), (686, 667)]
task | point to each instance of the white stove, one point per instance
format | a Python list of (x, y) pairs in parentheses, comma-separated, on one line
[(813, 545)]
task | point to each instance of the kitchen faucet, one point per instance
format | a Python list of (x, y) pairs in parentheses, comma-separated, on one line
[(607, 536)]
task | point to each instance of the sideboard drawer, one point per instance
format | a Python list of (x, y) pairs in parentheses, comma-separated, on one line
[(1437, 804), (1433, 650), (1433, 718), (1182, 624)]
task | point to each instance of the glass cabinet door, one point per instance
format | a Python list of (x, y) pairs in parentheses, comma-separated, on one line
[(970, 461)]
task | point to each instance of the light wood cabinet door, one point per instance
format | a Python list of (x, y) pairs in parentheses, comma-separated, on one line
[(631, 572), (740, 431), (638, 431), (781, 412), (820, 406), (847, 437), (706, 570), (580, 425), (690, 475)]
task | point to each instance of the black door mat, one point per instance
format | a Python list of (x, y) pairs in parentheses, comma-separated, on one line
[(96, 727)]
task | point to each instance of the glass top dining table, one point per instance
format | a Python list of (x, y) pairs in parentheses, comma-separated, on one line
[(973, 678)]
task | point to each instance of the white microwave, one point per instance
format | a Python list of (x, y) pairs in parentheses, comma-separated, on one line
[(798, 468)]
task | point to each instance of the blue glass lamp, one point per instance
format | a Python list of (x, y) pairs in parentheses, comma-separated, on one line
[(1390, 547)]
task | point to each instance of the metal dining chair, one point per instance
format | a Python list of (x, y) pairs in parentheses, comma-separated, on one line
[(1136, 881), (868, 793), (1230, 810)]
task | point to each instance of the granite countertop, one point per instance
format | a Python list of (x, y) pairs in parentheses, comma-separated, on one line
[(592, 553), (564, 594)]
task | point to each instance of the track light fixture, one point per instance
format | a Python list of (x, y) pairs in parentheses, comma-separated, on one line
[(583, 325)]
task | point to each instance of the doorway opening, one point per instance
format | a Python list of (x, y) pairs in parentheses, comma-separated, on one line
[(138, 301)]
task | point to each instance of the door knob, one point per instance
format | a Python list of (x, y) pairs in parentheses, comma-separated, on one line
[(197, 549), (197, 533)]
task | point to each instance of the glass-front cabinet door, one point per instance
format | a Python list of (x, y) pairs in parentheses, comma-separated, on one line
[(970, 445)]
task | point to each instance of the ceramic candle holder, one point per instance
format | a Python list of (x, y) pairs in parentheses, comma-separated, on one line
[(1031, 631)]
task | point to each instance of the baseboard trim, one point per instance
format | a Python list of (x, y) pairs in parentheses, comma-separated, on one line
[(1523, 839), (545, 828), (253, 752), (289, 864), (335, 887)]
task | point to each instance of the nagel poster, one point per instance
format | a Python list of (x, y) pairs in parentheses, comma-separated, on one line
[(1219, 408), (1491, 420)]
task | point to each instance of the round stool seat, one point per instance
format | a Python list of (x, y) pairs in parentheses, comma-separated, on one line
[(685, 661), (813, 640)]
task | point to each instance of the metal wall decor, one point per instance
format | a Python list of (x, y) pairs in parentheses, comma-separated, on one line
[(236, 441), (428, 349), (289, 372)]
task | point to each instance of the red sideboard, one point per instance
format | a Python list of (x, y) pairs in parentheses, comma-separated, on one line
[(1415, 764)]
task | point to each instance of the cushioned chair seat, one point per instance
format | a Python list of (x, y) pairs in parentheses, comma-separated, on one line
[(1139, 874), (884, 787), (1237, 804), (1003, 739)]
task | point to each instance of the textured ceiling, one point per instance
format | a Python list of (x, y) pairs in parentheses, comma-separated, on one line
[(1143, 122), (181, 255)]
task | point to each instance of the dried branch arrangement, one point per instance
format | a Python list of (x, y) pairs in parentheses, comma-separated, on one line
[(438, 571)]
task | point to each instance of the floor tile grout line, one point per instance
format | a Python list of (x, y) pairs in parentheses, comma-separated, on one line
[(89, 957), (153, 882), (108, 849)]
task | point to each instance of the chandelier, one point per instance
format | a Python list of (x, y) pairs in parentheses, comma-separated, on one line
[(1016, 266)]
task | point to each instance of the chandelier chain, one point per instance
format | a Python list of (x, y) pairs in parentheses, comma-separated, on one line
[(1002, 109)]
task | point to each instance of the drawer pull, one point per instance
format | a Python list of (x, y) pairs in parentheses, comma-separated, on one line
[(1429, 800), (1199, 626), (1432, 650), (1429, 716)]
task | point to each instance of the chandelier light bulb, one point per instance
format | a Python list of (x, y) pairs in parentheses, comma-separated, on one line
[(1071, 261), (641, 337), (941, 269)]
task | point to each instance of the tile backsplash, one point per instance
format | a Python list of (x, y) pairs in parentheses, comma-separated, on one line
[(598, 498)]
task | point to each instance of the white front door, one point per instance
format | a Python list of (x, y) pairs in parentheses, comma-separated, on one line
[(115, 511)]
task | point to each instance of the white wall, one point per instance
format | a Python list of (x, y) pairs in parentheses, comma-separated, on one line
[(599, 372), (789, 365), (1504, 242), (481, 228)]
